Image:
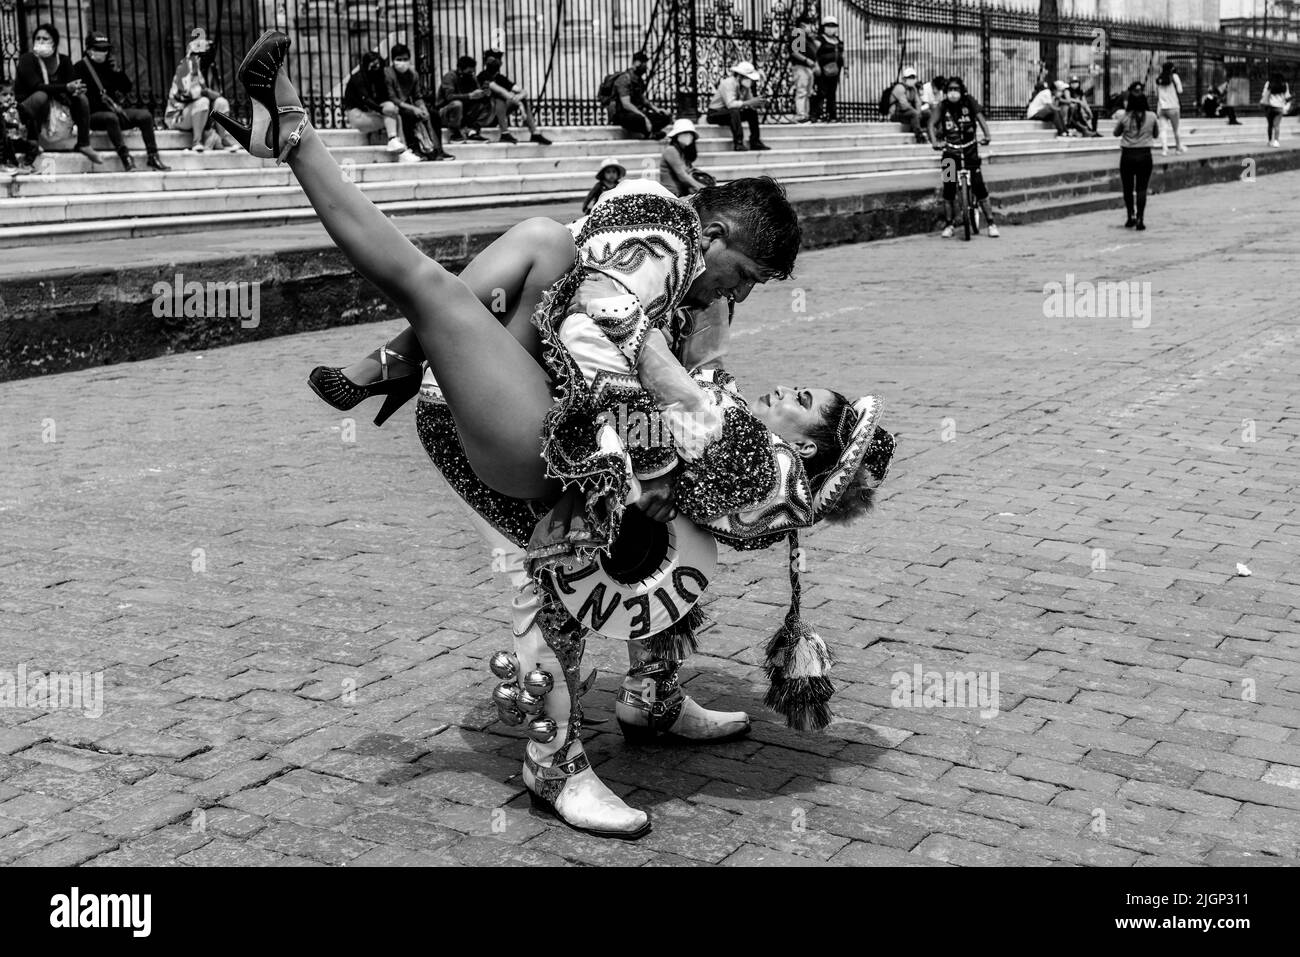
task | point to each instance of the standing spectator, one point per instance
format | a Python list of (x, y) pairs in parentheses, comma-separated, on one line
[(931, 96), (905, 104), (630, 108), (1047, 105), (463, 104), (16, 150), (677, 161), (105, 86), (1168, 89), (423, 131), (1216, 104), (194, 94), (507, 96), (1275, 99), (1137, 125), (736, 102), (609, 175), (1079, 114), (830, 64), (44, 80), (803, 52), (366, 105)]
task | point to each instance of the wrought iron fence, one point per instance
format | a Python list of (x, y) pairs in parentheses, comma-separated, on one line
[(559, 50)]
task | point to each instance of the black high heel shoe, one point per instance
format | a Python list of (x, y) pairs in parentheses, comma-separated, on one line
[(272, 96), (341, 392)]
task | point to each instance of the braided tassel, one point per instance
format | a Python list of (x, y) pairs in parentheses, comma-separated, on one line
[(798, 665)]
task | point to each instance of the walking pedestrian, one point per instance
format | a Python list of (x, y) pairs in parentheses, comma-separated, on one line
[(1168, 89), (1275, 99), (1137, 126)]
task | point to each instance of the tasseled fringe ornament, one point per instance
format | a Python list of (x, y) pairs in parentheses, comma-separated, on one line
[(798, 665), (677, 642)]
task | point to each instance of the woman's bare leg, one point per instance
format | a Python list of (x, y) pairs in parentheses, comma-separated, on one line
[(497, 392), (509, 278)]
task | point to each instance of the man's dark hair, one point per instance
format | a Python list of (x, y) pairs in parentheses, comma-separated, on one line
[(52, 30), (765, 224), (640, 56), (465, 63), (399, 51)]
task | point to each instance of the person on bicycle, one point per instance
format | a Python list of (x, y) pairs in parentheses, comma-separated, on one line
[(957, 117)]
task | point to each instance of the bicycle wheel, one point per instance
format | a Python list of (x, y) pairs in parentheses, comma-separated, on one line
[(965, 210)]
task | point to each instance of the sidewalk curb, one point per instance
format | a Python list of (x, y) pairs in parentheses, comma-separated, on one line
[(78, 318)]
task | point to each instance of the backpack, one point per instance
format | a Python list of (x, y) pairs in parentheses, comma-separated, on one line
[(887, 101), (606, 93)]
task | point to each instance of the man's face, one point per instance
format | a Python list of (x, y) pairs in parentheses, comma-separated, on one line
[(640, 68), (728, 271), (909, 81), (792, 413), (402, 64), (98, 56)]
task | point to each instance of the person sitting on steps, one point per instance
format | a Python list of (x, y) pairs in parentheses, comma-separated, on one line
[(106, 86), (736, 101)]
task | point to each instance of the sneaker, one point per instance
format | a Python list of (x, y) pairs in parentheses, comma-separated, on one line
[(1277, 143), (457, 136), (408, 157), (198, 148), (1140, 226), (1164, 151), (395, 145), (758, 146), (476, 137), (506, 138), (739, 148), (947, 232), (993, 230), (1182, 149), (539, 139)]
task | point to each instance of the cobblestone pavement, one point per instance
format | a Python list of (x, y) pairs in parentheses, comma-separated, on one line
[(293, 627)]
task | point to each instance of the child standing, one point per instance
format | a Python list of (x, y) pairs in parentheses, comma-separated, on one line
[(16, 150)]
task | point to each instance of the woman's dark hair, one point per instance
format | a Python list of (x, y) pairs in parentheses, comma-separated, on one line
[(1166, 73), (938, 82), (689, 153), (49, 28), (370, 57), (1276, 83), (958, 81), (765, 224), (1136, 109), (859, 497)]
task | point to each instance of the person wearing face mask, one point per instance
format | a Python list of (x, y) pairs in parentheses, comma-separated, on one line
[(44, 77), (194, 95), (630, 108), (957, 119), (366, 104), (1080, 112), (507, 97), (830, 65), (905, 107), (106, 86), (423, 127)]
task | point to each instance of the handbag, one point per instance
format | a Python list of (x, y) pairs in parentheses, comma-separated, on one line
[(58, 132), (109, 102)]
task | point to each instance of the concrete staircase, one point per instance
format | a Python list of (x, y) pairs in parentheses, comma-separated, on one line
[(69, 199)]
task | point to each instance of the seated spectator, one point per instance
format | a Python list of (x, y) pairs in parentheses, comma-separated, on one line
[(366, 105), (1047, 105), (1080, 117), (44, 77), (106, 85), (905, 105), (194, 94), (1216, 104), (609, 175), (736, 102), (932, 94), (677, 161), (17, 152), (507, 97), (630, 108), (463, 104), (422, 126)]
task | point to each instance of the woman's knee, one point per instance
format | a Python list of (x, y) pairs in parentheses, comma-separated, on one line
[(389, 108), (201, 105), (222, 105)]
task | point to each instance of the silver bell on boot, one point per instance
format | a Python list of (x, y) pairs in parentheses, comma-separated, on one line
[(538, 683), (542, 730), (506, 697), (503, 666)]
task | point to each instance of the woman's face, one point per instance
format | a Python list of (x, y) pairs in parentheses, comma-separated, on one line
[(685, 140), (98, 56), (42, 43), (791, 413), (953, 94)]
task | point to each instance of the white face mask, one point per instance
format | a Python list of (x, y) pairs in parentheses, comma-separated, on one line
[(402, 66), (43, 48), (953, 96), (98, 56)]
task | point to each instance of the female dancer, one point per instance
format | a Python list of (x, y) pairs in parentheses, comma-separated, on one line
[(749, 483)]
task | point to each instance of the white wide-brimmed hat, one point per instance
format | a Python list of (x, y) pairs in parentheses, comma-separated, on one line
[(682, 126), (609, 161), (747, 70)]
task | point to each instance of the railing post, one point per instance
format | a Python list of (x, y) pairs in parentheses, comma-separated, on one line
[(986, 57), (1200, 68)]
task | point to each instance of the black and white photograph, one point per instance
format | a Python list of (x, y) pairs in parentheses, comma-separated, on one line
[(650, 433)]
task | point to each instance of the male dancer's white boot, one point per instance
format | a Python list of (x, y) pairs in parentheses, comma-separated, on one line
[(651, 703)]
